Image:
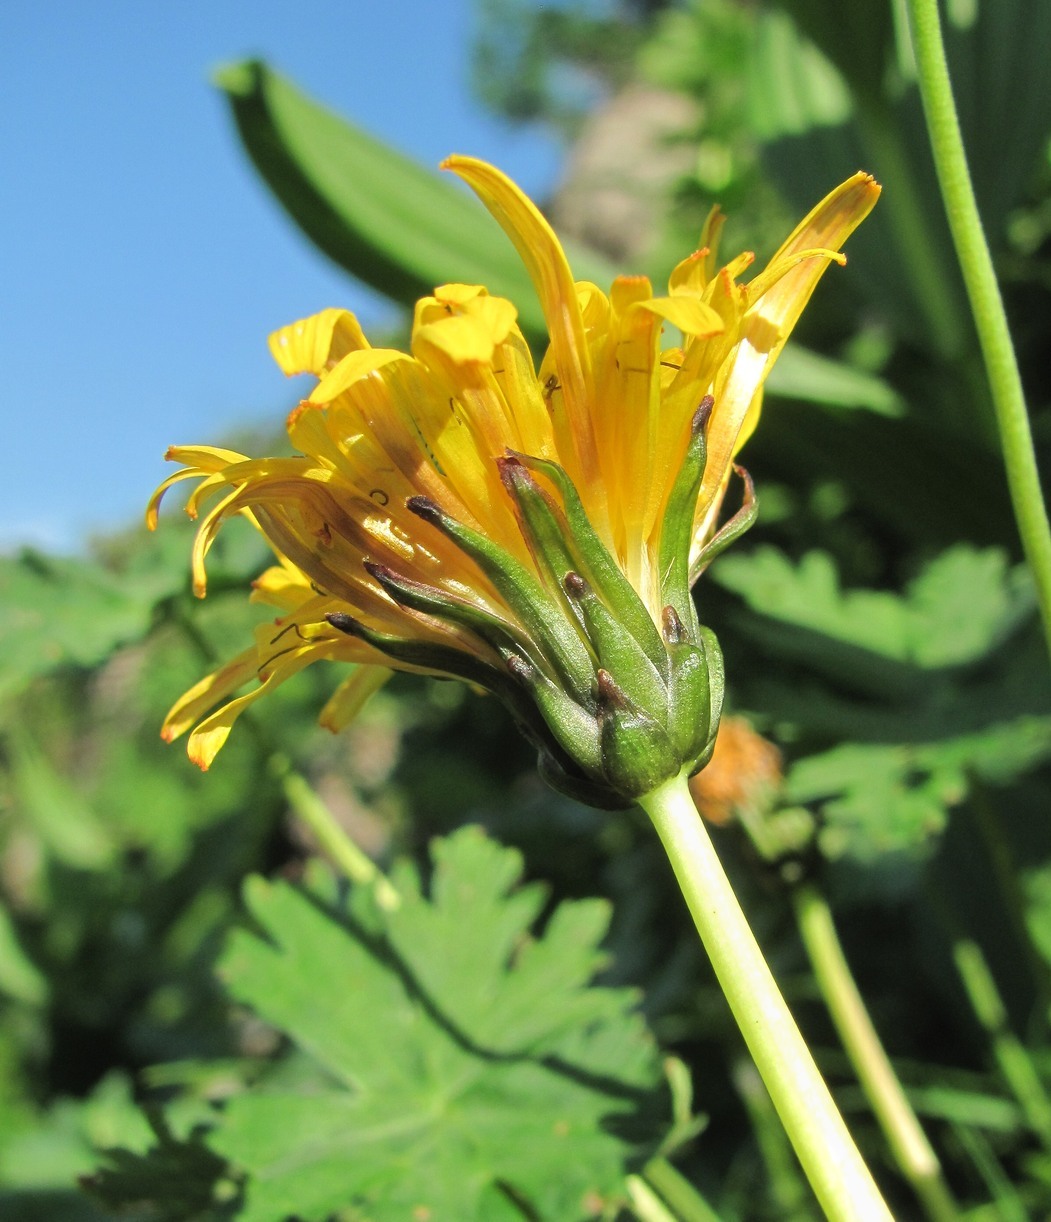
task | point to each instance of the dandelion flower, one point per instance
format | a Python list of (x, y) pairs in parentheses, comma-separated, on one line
[(456, 511)]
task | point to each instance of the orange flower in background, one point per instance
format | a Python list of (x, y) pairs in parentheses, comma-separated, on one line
[(744, 774), (456, 511)]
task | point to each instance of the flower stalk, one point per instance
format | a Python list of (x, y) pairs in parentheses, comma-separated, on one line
[(841, 1181), (908, 1143), (987, 305)]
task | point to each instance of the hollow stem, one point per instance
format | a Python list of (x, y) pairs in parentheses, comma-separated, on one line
[(976, 263), (835, 1169), (905, 1137)]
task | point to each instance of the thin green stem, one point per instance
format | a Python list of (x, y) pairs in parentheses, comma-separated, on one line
[(646, 1204), (332, 839), (790, 1195), (839, 1177), (906, 1138), (1008, 875), (1011, 1055), (976, 263), (685, 1202)]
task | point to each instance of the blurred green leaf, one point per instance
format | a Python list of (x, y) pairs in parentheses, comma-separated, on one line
[(802, 374), (792, 87), (1037, 887), (392, 223), (58, 612), (57, 811), (877, 798), (997, 55), (61, 1143), (463, 1055), (963, 604), (174, 1180), (19, 976), (857, 38)]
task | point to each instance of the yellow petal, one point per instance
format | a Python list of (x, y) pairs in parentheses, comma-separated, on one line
[(207, 739), (689, 314), (545, 260), (352, 368), (458, 339), (315, 344), (206, 693), (207, 458), (691, 274), (153, 508), (347, 701), (282, 586), (771, 315), (832, 221)]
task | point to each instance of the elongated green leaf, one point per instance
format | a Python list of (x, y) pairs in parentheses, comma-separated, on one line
[(802, 374), (394, 224), (19, 975)]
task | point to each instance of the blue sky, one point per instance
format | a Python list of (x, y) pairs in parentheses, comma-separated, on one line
[(143, 262)]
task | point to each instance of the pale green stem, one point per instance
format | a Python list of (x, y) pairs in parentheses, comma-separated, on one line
[(839, 1177), (1007, 1205), (332, 839), (976, 263), (907, 1140), (1011, 1055), (647, 1205), (686, 1203), (1009, 877), (790, 1195)]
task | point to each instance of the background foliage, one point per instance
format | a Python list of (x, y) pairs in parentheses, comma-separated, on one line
[(198, 1020)]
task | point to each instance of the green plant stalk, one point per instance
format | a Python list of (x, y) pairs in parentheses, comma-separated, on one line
[(1010, 1053), (976, 263), (835, 1169), (685, 1201), (332, 839), (646, 1204), (1008, 876), (788, 1191), (905, 1137), (1007, 1204)]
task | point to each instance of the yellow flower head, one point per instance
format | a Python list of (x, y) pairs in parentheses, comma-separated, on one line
[(456, 511)]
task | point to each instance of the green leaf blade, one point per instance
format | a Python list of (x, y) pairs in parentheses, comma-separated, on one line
[(392, 223), (459, 1052)]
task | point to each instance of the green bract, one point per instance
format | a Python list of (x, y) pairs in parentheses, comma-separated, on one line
[(614, 703)]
